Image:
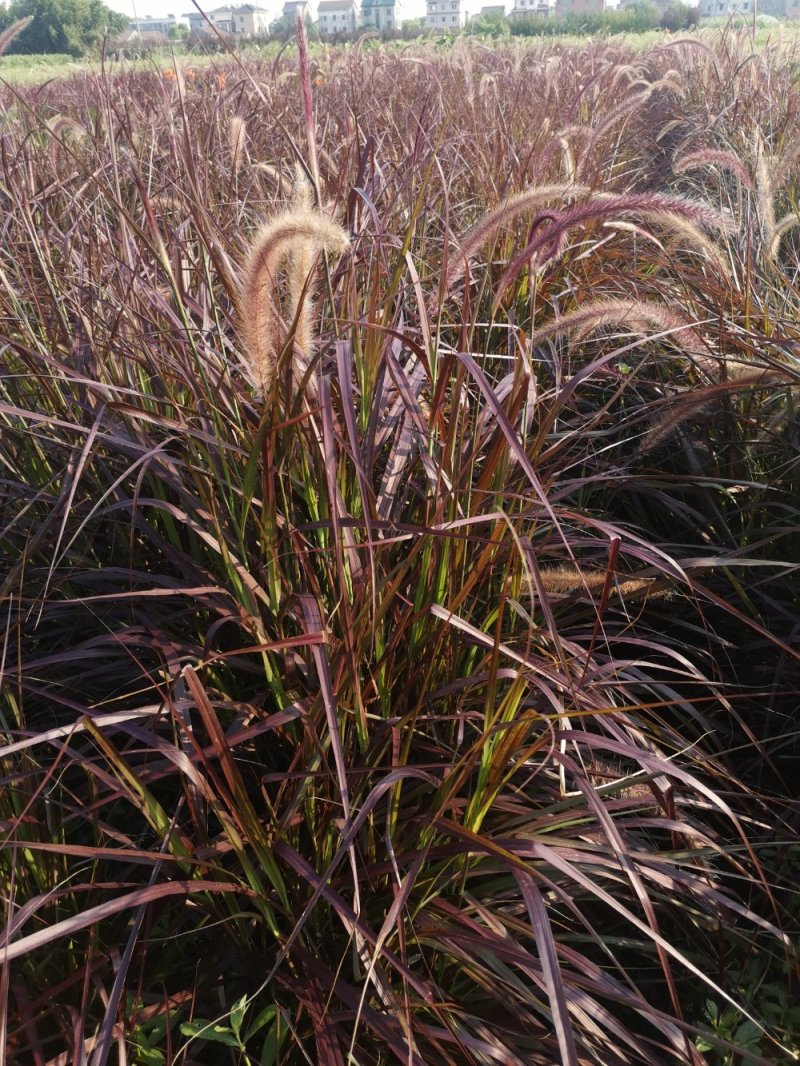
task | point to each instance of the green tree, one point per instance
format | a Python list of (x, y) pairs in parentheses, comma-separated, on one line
[(492, 25), (679, 16), (73, 26), (284, 28)]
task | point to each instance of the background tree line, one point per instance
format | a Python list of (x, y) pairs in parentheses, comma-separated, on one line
[(68, 26)]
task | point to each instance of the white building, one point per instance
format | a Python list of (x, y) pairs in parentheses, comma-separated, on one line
[(245, 20), (164, 25), (249, 20), (723, 8), (391, 14), (337, 16), (529, 8), (447, 15), (501, 9), (220, 17), (306, 8)]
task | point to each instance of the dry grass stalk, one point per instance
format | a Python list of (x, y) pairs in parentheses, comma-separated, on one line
[(298, 233)]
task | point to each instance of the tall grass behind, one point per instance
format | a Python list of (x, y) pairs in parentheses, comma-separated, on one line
[(431, 697)]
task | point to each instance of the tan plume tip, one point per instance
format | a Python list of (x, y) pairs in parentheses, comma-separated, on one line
[(274, 174), (694, 242), (568, 160), (788, 222), (238, 134), (782, 167), (764, 194), (258, 296), (302, 194)]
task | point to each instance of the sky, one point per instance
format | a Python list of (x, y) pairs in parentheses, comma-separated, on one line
[(157, 8)]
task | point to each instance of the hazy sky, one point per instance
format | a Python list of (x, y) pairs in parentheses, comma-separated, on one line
[(142, 8)]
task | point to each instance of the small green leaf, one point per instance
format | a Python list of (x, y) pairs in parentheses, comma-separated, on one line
[(147, 1056), (155, 1029), (747, 1034), (238, 1011), (266, 1015), (711, 1010), (204, 1030), (273, 1042)]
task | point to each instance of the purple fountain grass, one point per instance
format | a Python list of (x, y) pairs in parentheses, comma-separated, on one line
[(444, 713), (488, 226), (549, 241), (639, 315), (295, 233), (686, 405), (714, 157), (12, 31)]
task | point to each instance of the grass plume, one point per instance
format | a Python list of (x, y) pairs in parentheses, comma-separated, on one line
[(238, 138), (296, 234), (12, 31)]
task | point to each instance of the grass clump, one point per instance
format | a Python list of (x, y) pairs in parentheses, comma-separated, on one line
[(400, 657)]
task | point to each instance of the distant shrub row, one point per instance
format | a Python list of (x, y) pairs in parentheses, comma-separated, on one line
[(638, 18)]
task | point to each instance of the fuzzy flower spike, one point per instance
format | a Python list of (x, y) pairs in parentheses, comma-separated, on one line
[(297, 234)]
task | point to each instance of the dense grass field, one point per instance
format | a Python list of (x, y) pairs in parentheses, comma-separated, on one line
[(399, 545)]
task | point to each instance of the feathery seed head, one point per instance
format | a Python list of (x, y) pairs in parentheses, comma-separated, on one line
[(298, 229), (8, 34), (711, 157)]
